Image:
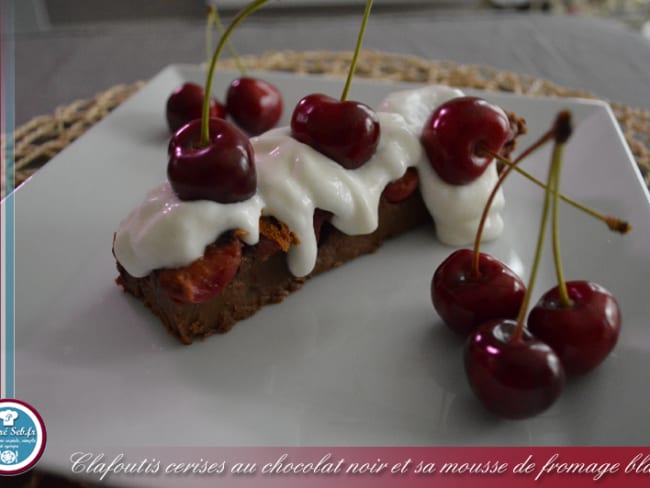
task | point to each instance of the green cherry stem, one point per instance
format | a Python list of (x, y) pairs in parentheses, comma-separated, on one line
[(476, 272), (205, 117), (546, 137), (355, 56), (613, 223), (563, 293), (553, 168), (510, 165), (216, 19)]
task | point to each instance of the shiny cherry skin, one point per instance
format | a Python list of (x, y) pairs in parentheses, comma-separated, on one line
[(513, 379), (321, 217), (465, 301), (402, 188), (455, 132), (205, 277), (186, 104), (347, 132), (583, 334), (254, 104), (222, 171)]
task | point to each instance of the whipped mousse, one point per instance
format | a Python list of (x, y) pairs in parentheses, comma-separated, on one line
[(294, 180)]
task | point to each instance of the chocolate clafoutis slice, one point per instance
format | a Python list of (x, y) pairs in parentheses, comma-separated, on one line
[(201, 266)]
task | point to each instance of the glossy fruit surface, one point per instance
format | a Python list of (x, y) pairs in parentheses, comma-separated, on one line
[(402, 188), (205, 277), (513, 379), (457, 130), (222, 171), (186, 104), (582, 335), (465, 301), (347, 132), (254, 104)]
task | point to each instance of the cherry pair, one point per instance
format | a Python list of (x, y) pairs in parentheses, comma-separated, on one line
[(254, 104)]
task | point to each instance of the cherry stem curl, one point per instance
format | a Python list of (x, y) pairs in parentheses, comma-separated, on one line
[(205, 117), (355, 56)]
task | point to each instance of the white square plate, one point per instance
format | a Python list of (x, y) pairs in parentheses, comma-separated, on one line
[(357, 357)]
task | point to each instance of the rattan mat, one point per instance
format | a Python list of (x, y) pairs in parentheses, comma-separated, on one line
[(40, 139), (43, 137)]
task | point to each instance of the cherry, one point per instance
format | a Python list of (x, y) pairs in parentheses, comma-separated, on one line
[(222, 170), (254, 104), (185, 104), (321, 217), (402, 188), (582, 334), (348, 132), (514, 377), (465, 300), (205, 277), (455, 133)]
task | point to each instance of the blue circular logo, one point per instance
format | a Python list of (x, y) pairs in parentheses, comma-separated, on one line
[(22, 436)]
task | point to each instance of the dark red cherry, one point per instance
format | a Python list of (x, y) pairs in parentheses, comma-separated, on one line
[(402, 188), (186, 104), (254, 104), (512, 378), (583, 334), (465, 301), (222, 171), (348, 132), (321, 217), (455, 132), (205, 277)]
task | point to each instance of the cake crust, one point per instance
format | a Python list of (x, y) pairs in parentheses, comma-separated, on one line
[(263, 276)]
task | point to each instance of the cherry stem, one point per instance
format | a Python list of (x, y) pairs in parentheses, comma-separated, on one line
[(546, 137), (613, 223), (476, 272), (216, 18), (208, 33), (558, 150), (357, 49), (205, 117), (553, 167)]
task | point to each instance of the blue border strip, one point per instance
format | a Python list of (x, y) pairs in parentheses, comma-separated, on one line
[(9, 285)]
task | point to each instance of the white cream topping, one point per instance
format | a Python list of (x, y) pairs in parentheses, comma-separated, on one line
[(416, 105), (166, 232), (295, 179), (456, 209)]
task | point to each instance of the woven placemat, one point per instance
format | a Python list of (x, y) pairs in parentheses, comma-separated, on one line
[(37, 141)]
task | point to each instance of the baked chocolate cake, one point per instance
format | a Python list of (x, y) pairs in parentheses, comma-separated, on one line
[(245, 266)]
